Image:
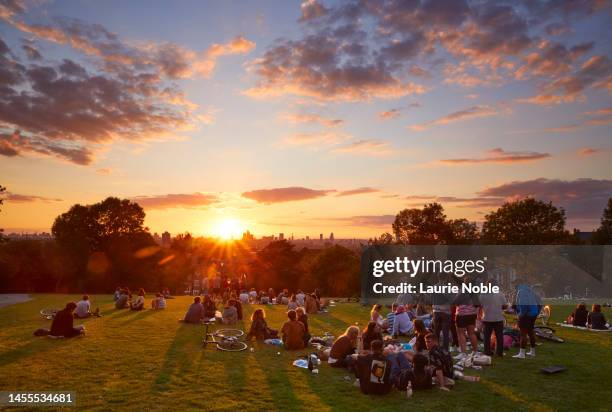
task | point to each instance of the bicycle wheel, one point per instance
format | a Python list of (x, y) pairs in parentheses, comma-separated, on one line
[(228, 333), (231, 345), (548, 334), (48, 313)]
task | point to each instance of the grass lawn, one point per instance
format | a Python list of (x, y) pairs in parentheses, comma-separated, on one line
[(149, 361)]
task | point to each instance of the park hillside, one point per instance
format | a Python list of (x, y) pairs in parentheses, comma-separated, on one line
[(146, 360), (100, 246)]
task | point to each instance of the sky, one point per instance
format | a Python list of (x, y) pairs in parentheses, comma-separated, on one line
[(303, 117)]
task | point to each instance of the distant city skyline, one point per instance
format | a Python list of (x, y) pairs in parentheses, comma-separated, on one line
[(303, 118)]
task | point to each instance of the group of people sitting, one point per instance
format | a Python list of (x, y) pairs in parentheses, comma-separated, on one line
[(206, 309), (583, 318), (311, 302), (124, 300)]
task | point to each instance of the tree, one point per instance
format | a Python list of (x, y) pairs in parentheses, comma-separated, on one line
[(422, 227), (336, 272), (525, 222), (384, 239), (101, 241), (603, 235), (2, 190), (462, 232)]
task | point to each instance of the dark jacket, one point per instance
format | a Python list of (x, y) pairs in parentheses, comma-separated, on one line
[(62, 324), (373, 371)]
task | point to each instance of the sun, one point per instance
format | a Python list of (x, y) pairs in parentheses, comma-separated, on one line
[(228, 229)]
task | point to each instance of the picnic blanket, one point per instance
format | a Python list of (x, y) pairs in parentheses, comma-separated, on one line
[(567, 325)]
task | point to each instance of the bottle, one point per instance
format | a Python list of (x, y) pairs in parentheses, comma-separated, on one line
[(409, 390), (310, 365)]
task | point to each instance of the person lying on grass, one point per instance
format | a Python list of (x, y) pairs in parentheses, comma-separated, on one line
[(63, 325), (139, 302), (195, 313), (293, 332), (596, 319), (83, 308), (259, 327), (373, 370), (342, 349)]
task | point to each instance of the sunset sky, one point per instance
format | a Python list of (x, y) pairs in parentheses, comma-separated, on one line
[(303, 118)]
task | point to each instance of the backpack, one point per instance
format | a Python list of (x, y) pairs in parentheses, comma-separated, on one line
[(41, 332)]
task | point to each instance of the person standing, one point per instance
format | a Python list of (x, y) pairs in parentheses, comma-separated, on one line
[(528, 306), (492, 307)]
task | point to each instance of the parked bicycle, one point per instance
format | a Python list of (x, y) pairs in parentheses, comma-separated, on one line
[(224, 339)]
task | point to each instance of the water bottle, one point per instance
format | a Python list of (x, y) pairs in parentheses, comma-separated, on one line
[(409, 390), (310, 365)]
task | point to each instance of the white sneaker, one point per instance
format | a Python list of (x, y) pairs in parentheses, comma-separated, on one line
[(461, 356), (520, 355), (531, 352)]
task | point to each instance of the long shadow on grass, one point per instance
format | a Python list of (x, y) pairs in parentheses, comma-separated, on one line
[(279, 382), (178, 359), (139, 316), (34, 347)]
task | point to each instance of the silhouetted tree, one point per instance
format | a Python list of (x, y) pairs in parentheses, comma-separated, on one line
[(462, 232), (603, 235), (525, 222), (425, 226), (384, 239)]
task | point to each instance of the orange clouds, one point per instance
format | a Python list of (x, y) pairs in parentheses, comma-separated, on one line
[(499, 155)]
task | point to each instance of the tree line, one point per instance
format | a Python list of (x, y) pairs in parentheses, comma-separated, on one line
[(98, 247)]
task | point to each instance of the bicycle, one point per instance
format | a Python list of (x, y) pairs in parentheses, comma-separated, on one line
[(48, 313), (224, 339), (547, 333)]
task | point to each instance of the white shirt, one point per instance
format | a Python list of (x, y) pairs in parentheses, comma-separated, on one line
[(82, 308), (244, 298), (161, 303)]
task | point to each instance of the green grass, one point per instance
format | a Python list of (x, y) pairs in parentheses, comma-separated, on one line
[(148, 361)]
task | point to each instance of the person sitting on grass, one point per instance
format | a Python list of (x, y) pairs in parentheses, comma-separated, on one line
[(311, 304), (253, 295), (391, 318), (441, 361), (259, 327), (421, 373), (139, 302), (195, 313), (123, 301), (343, 348), (159, 302), (596, 319), (370, 334), (117, 293), (300, 298), (63, 323), (373, 370), (420, 333), (579, 316), (209, 307), (293, 332), (292, 305), (402, 325), (377, 317), (303, 317), (238, 307), (83, 309), (244, 297), (230, 313)]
